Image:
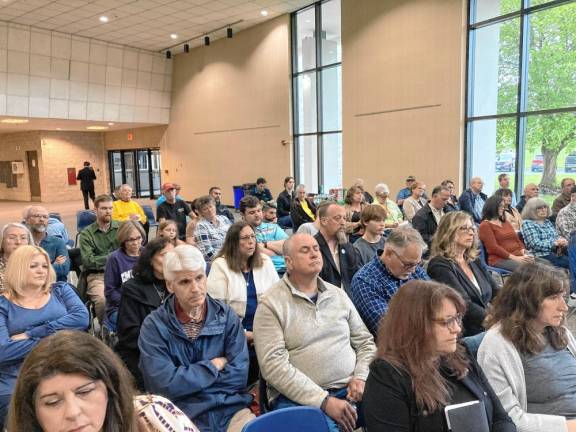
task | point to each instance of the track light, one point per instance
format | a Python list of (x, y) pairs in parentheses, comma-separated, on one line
[(206, 40), (229, 32), (168, 54), (186, 48)]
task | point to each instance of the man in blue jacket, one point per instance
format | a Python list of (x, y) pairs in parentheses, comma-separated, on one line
[(193, 349), (472, 200)]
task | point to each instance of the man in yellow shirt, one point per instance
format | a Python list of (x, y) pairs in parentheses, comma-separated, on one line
[(126, 209)]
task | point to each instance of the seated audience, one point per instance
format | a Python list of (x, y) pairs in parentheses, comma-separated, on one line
[(269, 213), (211, 229), (31, 308), (367, 198), (57, 229), (426, 220), (353, 205), (269, 237), (340, 260), (125, 208), (472, 199), (455, 262), (394, 215), (97, 241), (119, 266), (284, 203), (540, 236), (308, 361), (37, 222), (313, 228), (13, 236), (563, 199), (169, 230), (221, 210), (503, 247), (528, 355), (377, 282), (415, 201), (531, 190), (141, 294), (193, 349), (261, 191), (303, 209), (239, 276), (373, 222), (422, 368), (566, 218), (72, 379), (173, 209), (504, 183), (405, 192), (511, 214), (452, 203), (162, 197)]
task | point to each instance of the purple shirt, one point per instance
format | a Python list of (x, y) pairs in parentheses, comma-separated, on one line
[(118, 270)]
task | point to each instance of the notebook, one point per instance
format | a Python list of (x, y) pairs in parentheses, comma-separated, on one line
[(467, 417)]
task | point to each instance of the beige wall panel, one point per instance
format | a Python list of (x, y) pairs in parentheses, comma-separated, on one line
[(230, 112), (147, 137), (403, 69)]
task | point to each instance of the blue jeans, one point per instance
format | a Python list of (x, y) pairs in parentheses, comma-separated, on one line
[(112, 321), (285, 221), (572, 262), (4, 405), (283, 402)]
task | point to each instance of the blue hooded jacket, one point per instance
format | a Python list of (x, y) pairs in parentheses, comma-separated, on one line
[(181, 370)]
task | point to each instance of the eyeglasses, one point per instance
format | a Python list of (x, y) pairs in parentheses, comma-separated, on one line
[(450, 323), (467, 228), (248, 237), (40, 216), (134, 239), (406, 265), (22, 238)]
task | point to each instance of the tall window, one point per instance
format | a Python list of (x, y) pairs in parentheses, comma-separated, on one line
[(521, 110), (317, 96)]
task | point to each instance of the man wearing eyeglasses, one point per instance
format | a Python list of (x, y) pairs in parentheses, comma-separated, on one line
[(376, 283), (37, 222)]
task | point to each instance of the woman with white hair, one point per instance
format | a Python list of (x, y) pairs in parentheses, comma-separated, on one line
[(193, 349), (394, 214), (13, 236)]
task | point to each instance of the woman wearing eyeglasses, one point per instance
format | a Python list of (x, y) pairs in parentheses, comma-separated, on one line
[(528, 355), (421, 368), (239, 275), (13, 236), (455, 262)]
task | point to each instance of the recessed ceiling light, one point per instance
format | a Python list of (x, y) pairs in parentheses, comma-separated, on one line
[(14, 121), (173, 36), (96, 128), (264, 12), (110, 124), (103, 19), (58, 128)]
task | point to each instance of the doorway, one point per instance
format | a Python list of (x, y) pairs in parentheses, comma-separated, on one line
[(33, 175), (139, 168)]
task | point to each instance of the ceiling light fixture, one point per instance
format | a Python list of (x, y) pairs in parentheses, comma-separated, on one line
[(103, 19), (96, 128), (229, 33), (14, 121), (174, 36), (264, 12), (206, 40)]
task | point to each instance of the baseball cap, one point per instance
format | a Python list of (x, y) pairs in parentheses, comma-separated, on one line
[(167, 186)]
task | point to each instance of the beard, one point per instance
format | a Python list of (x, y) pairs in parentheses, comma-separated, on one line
[(341, 237), (39, 228)]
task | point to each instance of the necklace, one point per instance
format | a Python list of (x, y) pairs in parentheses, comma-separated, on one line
[(161, 293)]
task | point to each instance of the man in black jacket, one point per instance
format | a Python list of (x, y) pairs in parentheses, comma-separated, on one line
[(426, 220), (87, 176), (340, 261)]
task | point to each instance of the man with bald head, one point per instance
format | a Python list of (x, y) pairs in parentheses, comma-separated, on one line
[(472, 199), (531, 190), (36, 219), (312, 346)]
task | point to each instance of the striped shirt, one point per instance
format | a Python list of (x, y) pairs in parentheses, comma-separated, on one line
[(190, 326)]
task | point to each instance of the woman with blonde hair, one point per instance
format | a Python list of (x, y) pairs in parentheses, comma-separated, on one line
[(455, 262), (31, 308), (416, 201)]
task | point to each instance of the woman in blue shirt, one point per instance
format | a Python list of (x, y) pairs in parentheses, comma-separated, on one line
[(31, 308)]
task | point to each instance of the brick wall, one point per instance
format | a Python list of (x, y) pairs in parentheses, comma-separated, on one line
[(13, 148)]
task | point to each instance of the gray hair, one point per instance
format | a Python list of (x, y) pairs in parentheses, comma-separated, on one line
[(300, 186), (15, 225), (404, 236), (182, 258), (533, 204), (382, 188)]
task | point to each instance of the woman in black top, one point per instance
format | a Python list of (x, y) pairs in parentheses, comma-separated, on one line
[(421, 368), (455, 262), (283, 203), (141, 295)]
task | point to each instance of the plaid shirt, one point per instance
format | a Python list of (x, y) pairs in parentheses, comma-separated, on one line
[(372, 288), (209, 237), (566, 221), (539, 238)]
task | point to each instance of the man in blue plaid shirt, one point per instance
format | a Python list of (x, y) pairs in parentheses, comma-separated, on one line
[(374, 284)]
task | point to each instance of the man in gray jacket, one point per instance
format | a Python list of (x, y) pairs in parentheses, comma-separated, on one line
[(312, 346)]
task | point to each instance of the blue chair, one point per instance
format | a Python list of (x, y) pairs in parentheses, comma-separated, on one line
[(150, 216), (473, 343), (83, 219), (296, 419), (482, 250)]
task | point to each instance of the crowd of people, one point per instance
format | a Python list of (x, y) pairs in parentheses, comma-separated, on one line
[(384, 314)]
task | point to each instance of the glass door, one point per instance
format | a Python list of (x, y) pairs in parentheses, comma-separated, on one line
[(139, 168)]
